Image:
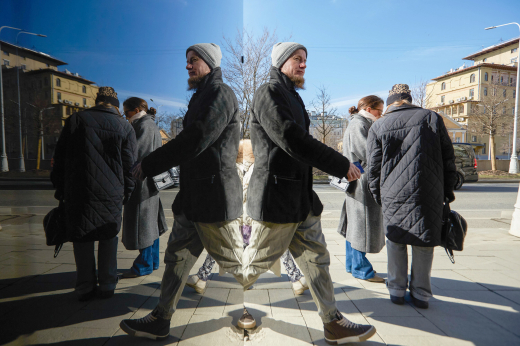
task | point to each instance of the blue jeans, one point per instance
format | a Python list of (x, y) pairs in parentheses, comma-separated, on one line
[(357, 263), (148, 260)]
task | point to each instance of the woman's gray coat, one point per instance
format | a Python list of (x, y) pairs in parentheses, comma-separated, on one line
[(143, 219), (364, 229)]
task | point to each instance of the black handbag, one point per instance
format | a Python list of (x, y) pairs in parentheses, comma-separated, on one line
[(164, 180), (55, 230), (454, 231)]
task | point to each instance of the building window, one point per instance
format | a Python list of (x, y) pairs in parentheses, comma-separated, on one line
[(59, 96), (6, 53), (511, 81), (504, 93), (455, 110), (486, 76), (6, 62), (461, 109), (473, 138), (84, 89), (442, 99), (472, 78), (492, 77), (471, 92), (68, 111), (58, 82), (443, 86), (448, 111), (514, 50), (485, 91), (485, 59), (24, 67), (84, 102), (48, 65)]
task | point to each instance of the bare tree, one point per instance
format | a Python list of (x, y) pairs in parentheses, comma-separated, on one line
[(488, 116), (325, 121), (420, 95), (247, 67)]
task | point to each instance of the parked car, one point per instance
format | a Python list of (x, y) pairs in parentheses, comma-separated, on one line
[(466, 163)]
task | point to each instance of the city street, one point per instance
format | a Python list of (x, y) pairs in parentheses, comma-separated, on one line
[(476, 300)]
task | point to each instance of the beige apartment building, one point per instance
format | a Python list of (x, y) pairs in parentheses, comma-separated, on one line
[(42, 86), (456, 94)]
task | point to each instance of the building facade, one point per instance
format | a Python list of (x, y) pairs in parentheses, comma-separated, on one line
[(47, 97), (457, 94)]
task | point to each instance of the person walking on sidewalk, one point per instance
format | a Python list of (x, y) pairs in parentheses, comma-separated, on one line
[(143, 217), (209, 201), (411, 170), (364, 229), (245, 165), (91, 174), (281, 201)]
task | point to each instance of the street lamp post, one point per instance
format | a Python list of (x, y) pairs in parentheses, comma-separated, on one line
[(513, 164), (21, 163), (4, 165)]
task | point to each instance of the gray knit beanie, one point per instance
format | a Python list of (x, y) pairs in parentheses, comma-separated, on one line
[(209, 52), (283, 50)]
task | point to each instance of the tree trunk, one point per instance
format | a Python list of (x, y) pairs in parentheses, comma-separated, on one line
[(492, 152)]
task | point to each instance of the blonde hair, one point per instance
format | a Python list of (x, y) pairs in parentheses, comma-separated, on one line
[(109, 105), (397, 104)]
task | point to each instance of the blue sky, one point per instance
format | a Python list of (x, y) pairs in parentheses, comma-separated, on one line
[(355, 48)]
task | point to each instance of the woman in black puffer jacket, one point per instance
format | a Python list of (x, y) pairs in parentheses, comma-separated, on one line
[(411, 170)]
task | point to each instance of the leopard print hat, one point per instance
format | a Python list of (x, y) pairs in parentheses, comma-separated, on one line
[(399, 92)]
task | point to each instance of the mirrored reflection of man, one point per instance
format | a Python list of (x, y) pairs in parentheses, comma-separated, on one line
[(281, 200), (210, 196)]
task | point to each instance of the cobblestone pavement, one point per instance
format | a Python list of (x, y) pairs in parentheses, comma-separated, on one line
[(477, 299)]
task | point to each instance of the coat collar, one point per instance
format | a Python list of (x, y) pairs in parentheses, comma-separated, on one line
[(362, 118), (278, 77), (214, 76), (110, 109), (391, 109)]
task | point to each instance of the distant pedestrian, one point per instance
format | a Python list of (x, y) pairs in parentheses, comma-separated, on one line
[(143, 218), (364, 229), (245, 165), (411, 170), (92, 177)]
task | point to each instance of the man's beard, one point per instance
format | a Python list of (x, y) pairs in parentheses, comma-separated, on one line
[(193, 82), (299, 82)]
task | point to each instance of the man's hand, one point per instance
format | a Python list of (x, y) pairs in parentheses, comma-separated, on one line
[(353, 173), (137, 172)]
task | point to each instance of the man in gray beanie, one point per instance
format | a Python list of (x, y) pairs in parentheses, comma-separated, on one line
[(285, 209), (210, 195)]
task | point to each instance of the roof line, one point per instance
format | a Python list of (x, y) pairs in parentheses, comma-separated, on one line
[(498, 66), (45, 55), (491, 48)]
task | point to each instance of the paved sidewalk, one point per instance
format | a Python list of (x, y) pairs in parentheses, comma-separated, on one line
[(477, 299)]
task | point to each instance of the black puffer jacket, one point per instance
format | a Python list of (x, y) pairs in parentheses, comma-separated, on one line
[(411, 168), (91, 172), (206, 150), (280, 189)]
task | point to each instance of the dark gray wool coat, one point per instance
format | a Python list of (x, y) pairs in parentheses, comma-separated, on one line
[(364, 228), (143, 217), (280, 189), (411, 168), (91, 172), (206, 150)]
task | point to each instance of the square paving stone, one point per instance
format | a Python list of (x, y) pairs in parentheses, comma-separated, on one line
[(219, 331), (283, 303), (213, 302), (403, 325)]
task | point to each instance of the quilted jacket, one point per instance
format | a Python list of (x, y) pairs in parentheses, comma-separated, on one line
[(91, 172), (280, 189), (411, 167), (206, 150)]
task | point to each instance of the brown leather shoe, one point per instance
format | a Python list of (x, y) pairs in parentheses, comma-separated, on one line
[(341, 331), (247, 321), (377, 279)]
